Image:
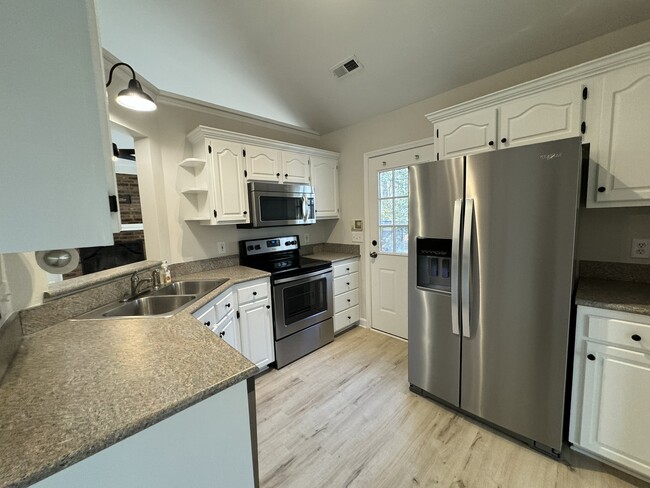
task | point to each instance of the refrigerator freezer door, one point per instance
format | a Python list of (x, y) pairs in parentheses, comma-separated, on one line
[(434, 350), (522, 256)]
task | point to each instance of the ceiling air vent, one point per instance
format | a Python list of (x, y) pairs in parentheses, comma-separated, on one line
[(346, 67)]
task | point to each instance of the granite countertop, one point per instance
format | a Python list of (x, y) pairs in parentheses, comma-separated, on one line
[(80, 386), (624, 296), (332, 256)]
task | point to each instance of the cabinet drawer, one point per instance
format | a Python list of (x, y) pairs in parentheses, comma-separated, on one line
[(346, 283), (618, 331), (345, 268), (346, 300), (246, 294), (346, 318), (224, 304)]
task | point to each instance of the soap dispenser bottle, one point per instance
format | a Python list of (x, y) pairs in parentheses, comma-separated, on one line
[(166, 274)]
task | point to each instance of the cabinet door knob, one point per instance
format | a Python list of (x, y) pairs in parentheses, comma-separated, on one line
[(348, 283), (504, 140), (277, 174), (245, 212), (349, 317), (227, 305), (601, 189), (349, 300), (254, 293), (268, 306), (207, 324), (347, 269), (286, 175), (222, 333), (636, 337), (491, 143), (591, 357)]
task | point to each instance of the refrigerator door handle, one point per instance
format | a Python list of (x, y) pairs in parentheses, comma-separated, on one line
[(455, 264), (466, 264)]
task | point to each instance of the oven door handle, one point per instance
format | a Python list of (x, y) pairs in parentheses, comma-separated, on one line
[(302, 276)]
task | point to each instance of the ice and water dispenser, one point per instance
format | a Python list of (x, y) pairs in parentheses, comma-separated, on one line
[(434, 263)]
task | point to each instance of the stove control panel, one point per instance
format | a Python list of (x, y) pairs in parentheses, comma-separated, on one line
[(273, 244)]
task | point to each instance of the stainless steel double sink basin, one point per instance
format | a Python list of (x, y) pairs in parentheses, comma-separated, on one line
[(163, 302)]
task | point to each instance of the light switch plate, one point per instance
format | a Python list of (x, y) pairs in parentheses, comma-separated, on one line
[(305, 238), (221, 247), (357, 237)]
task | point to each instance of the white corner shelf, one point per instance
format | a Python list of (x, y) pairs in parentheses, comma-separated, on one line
[(192, 163), (194, 191)]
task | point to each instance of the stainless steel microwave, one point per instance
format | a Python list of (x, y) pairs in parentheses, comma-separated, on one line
[(275, 204)]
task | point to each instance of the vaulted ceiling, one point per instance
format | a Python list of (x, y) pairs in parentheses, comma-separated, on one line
[(272, 58)]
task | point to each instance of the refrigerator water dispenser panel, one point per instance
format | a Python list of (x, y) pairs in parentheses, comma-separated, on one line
[(434, 263)]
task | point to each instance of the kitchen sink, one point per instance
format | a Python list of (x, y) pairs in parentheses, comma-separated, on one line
[(194, 287), (163, 302), (150, 306)]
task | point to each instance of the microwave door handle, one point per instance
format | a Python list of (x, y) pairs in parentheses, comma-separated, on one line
[(304, 207)]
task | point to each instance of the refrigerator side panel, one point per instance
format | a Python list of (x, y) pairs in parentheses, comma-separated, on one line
[(522, 255), (434, 351)]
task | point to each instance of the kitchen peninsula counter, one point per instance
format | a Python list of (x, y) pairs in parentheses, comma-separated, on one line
[(80, 386)]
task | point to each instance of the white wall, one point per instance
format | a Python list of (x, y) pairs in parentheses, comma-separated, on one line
[(409, 123)]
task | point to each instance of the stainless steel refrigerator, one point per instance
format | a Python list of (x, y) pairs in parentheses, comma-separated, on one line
[(491, 275)]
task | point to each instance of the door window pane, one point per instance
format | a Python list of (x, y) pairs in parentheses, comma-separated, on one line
[(393, 185), (386, 239)]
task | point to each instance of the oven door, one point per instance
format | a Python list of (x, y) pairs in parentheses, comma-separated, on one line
[(301, 301), (271, 208)]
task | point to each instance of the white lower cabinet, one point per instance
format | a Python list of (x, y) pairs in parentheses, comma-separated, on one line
[(346, 293), (243, 317), (611, 388)]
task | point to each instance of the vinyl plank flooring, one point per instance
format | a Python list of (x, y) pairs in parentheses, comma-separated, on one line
[(344, 417)]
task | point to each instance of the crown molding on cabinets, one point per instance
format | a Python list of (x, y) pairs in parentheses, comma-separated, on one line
[(201, 132), (580, 72)]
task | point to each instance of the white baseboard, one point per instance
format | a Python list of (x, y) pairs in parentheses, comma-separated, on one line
[(364, 323)]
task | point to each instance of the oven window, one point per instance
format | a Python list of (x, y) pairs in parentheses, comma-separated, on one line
[(304, 300), (280, 208)]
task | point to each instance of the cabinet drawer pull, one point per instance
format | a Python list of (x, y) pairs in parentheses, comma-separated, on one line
[(254, 293), (347, 269), (591, 357), (636, 337), (348, 283), (207, 324)]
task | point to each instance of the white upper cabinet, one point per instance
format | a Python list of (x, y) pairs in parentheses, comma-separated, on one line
[(544, 116), (263, 164), (230, 195), (466, 134), (56, 173), (622, 149), (213, 182), (325, 182), (295, 168)]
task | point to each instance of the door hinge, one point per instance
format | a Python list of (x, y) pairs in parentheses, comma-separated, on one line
[(238, 314), (244, 152), (585, 93), (215, 213), (438, 156), (245, 174), (583, 127), (112, 203), (437, 135), (209, 149)]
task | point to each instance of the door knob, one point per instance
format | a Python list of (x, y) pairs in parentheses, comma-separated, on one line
[(373, 254)]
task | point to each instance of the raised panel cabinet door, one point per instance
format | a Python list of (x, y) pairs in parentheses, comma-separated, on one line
[(466, 134), (545, 116), (615, 420), (229, 182), (624, 143), (256, 332), (263, 164), (325, 182), (227, 330), (295, 168)]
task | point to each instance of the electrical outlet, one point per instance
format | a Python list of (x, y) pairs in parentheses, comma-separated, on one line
[(305, 238), (221, 247), (357, 237), (640, 248)]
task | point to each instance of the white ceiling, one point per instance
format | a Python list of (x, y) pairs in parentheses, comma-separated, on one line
[(272, 58)]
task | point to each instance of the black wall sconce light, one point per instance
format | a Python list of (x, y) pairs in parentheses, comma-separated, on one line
[(134, 96)]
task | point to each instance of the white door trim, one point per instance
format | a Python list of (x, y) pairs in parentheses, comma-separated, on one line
[(367, 291)]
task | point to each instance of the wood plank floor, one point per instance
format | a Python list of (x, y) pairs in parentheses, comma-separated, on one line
[(344, 417)]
